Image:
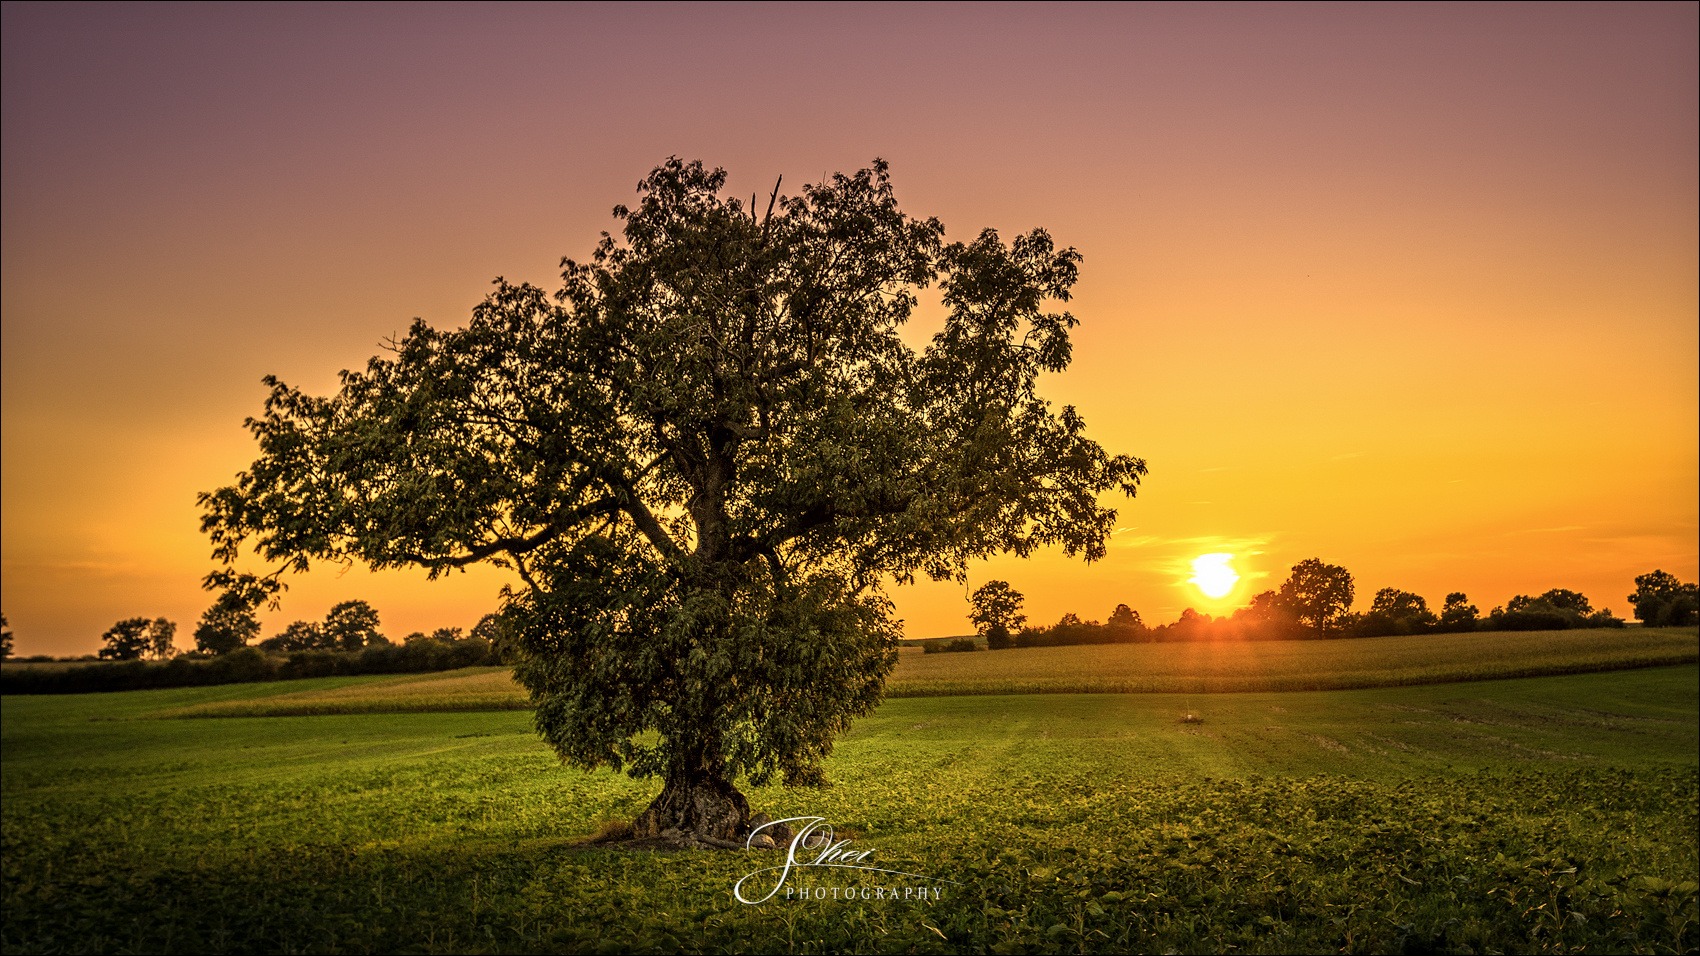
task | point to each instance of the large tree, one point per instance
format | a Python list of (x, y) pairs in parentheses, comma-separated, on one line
[(704, 458)]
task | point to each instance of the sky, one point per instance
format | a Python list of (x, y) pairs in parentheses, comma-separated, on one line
[(1407, 288)]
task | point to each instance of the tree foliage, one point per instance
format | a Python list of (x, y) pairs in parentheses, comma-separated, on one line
[(705, 458), (230, 622), (1660, 599), (1458, 614), (128, 640), (352, 625), (997, 607), (1396, 612), (1318, 594), (1559, 599), (299, 636), (1124, 616), (161, 639)]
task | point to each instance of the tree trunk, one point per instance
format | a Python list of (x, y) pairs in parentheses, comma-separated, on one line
[(697, 801)]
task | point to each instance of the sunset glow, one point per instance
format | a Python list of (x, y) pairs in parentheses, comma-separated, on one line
[(1362, 283), (1213, 575)]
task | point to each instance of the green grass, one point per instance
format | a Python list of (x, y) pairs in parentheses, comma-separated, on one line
[(469, 688), (1545, 814)]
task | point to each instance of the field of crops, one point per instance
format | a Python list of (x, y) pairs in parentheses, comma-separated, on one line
[(1547, 814), (1122, 668), (1215, 667)]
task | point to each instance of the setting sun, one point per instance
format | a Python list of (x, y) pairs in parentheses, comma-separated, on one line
[(1213, 575)]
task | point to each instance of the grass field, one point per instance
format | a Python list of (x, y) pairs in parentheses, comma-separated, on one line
[(1121, 668), (1550, 814)]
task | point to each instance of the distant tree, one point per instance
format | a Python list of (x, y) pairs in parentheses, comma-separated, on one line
[(998, 638), (224, 629), (488, 629), (230, 622), (416, 637), (1191, 620), (1604, 618), (492, 630), (127, 640), (1396, 612), (1458, 614), (1264, 607), (996, 604), (161, 636), (1265, 603), (1070, 619), (5, 638), (1661, 600), (1566, 600), (352, 625), (447, 635), (1318, 594), (1125, 616), (1399, 604), (1267, 617), (1526, 613), (299, 636)]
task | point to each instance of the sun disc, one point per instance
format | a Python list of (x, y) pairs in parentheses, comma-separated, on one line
[(1212, 574)]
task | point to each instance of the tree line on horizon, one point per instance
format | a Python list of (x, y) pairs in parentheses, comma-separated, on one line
[(138, 652), (1315, 603), (351, 627)]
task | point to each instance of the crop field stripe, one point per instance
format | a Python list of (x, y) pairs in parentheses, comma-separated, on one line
[(1295, 666)]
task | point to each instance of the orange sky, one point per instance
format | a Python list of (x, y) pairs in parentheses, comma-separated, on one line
[(1409, 289)]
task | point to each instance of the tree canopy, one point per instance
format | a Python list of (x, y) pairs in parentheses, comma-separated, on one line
[(352, 625), (704, 457), (1660, 598), (230, 622), (996, 605), (1318, 594), (128, 640), (1393, 611), (299, 636)]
